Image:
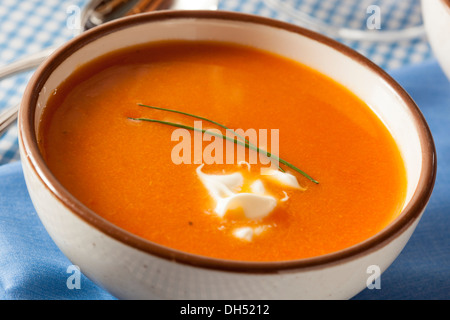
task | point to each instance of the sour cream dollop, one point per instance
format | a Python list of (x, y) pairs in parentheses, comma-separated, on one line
[(224, 189), (256, 204)]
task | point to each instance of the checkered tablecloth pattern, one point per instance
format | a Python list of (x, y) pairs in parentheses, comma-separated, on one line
[(30, 25)]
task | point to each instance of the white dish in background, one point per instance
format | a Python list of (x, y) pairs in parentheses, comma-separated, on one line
[(436, 15), (380, 21)]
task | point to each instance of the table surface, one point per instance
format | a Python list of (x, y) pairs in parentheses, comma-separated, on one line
[(30, 25)]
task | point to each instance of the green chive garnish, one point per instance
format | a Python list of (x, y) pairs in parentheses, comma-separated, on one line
[(205, 119), (244, 143), (198, 117)]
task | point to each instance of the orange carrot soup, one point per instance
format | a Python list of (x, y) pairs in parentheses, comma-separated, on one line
[(224, 151)]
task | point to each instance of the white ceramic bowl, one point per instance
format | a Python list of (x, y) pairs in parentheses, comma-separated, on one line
[(132, 268), (436, 16)]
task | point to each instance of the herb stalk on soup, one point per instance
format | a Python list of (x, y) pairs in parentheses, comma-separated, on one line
[(245, 143)]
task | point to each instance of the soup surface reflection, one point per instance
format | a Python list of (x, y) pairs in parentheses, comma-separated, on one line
[(146, 177)]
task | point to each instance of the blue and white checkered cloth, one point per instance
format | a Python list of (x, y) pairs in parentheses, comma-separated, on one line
[(28, 26)]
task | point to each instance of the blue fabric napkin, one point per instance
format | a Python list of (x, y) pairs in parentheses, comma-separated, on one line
[(422, 271), (32, 267)]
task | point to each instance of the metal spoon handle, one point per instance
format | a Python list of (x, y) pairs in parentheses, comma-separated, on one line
[(26, 63), (8, 117)]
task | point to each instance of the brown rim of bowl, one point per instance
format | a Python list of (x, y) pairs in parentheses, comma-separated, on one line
[(28, 138), (447, 3)]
